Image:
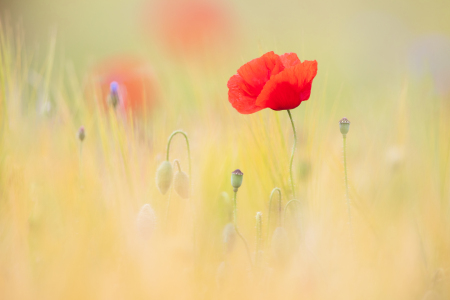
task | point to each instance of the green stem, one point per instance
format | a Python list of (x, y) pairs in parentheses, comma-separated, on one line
[(344, 136), (237, 229), (270, 206), (293, 152)]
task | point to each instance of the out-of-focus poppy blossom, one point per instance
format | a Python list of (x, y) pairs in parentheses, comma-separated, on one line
[(132, 81), (271, 81), (186, 26)]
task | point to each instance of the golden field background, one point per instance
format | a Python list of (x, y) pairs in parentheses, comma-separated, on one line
[(68, 218)]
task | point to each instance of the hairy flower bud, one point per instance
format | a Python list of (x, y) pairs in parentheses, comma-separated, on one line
[(344, 125), (236, 179), (164, 176), (229, 237), (81, 134), (146, 221), (181, 184)]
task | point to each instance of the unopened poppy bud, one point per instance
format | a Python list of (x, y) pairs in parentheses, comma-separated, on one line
[(146, 221), (181, 184), (344, 125), (229, 237), (114, 98), (236, 179), (81, 134), (280, 245), (164, 176)]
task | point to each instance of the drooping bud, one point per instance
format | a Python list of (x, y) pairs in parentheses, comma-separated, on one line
[(146, 221), (164, 176), (344, 125), (114, 97), (229, 237), (280, 244), (181, 184), (81, 134), (236, 179)]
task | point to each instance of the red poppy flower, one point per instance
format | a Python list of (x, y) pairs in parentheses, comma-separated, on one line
[(271, 81), (136, 83)]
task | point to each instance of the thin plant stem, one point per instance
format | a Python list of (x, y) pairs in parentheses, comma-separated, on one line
[(344, 136), (270, 206), (177, 162), (293, 152), (237, 229)]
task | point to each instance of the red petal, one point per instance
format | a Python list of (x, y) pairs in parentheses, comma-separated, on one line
[(289, 88), (289, 59), (258, 71), (239, 98)]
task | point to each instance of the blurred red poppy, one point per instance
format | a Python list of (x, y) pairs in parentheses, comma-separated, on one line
[(271, 81), (135, 83), (186, 26)]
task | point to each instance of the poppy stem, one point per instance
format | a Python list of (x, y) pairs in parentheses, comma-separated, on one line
[(270, 206), (237, 230), (293, 152)]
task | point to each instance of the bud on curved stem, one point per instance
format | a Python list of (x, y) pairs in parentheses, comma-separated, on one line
[(270, 209), (187, 144)]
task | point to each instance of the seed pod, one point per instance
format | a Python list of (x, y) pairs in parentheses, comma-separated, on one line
[(181, 184), (164, 176), (280, 245), (236, 179), (146, 221), (344, 126), (229, 237)]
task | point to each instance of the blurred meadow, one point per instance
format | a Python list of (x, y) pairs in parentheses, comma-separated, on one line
[(70, 221)]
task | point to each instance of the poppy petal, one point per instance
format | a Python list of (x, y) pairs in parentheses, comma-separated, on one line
[(258, 71), (289, 88), (239, 98), (289, 59)]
